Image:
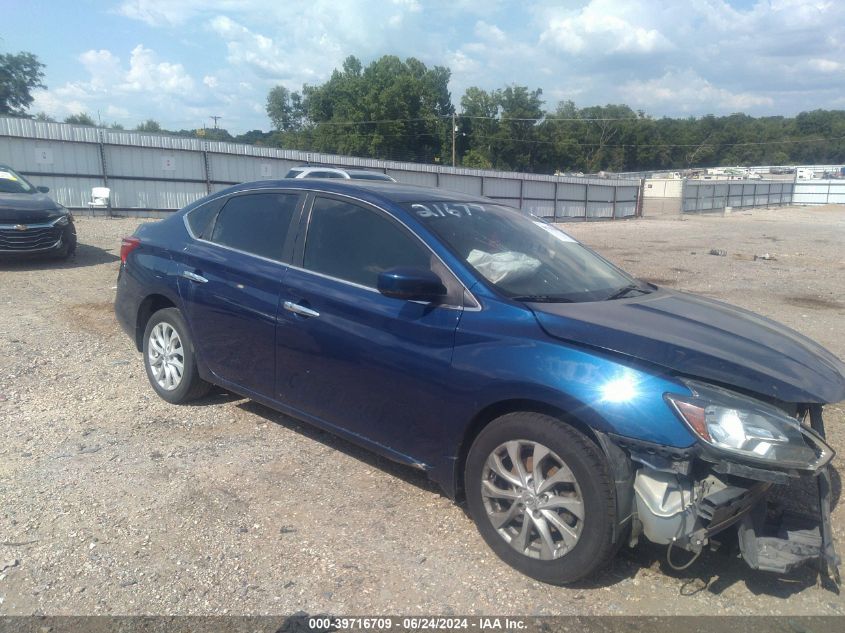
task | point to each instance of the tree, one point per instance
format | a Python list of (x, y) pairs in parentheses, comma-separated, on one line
[(479, 123), (150, 125), (475, 160), (285, 109), (20, 74), (521, 111), (389, 109), (83, 118), (43, 116)]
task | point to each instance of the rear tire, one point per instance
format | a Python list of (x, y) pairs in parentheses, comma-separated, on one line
[(170, 360), (550, 517)]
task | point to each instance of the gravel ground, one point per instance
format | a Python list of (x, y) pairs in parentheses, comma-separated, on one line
[(114, 502)]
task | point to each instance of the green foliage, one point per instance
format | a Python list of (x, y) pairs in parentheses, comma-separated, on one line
[(43, 116), (150, 125), (20, 74), (285, 109), (402, 110), (391, 108), (475, 160), (83, 118)]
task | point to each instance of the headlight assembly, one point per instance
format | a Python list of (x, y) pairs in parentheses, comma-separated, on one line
[(742, 427), (62, 220)]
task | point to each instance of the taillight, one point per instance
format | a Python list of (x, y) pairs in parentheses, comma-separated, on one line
[(127, 245)]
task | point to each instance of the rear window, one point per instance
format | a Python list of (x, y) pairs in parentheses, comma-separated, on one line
[(256, 223)]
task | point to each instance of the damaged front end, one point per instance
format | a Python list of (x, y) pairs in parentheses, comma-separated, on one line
[(755, 467)]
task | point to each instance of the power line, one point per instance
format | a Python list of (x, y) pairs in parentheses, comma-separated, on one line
[(705, 144)]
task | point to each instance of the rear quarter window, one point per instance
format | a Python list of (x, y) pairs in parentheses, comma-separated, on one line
[(199, 220)]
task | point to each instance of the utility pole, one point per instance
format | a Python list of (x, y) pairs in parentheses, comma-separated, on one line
[(454, 130), (215, 119)]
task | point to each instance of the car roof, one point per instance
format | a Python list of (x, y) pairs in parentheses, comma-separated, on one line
[(389, 191)]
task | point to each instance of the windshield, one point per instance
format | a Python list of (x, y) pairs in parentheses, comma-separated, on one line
[(522, 256), (11, 182)]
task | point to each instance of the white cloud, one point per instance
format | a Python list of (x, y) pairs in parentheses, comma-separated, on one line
[(826, 65), (606, 26), (147, 74), (689, 92), (667, 57), (251, 49), (490, 32), (109, 82)]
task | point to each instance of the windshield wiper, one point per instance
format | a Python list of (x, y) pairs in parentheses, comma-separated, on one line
[(542, 299), (625, 290)]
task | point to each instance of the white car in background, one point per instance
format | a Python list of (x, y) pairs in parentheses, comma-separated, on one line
[(307, 171)]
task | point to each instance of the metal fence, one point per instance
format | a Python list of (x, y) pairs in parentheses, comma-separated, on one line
[(151, 173), (819, 192), (713, 195)]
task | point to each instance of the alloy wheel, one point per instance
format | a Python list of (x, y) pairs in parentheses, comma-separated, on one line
[(532, 499), (166, 356)]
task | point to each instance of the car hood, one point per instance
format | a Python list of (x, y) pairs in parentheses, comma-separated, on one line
[(703, 338), (26, 208)]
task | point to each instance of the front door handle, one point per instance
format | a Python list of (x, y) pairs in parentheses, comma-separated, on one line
[(290, 306), (187, 274)]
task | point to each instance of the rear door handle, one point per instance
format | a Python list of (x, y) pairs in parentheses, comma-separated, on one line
[(290, 306), (187, 274)]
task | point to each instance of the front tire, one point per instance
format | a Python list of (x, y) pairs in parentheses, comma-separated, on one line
[(541, 496), (68, 248), (170, 360)]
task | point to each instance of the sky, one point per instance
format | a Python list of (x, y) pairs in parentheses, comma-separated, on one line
[(182, 61)]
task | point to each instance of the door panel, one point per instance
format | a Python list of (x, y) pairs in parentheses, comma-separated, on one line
[(232, 316), (375, 366), (231, 296), (372, 365)]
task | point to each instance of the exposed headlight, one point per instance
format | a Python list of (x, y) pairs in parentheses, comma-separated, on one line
[(62, 220), (755, 431)]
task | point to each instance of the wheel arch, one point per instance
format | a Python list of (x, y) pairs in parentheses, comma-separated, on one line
[(147, 308), (514, 405)]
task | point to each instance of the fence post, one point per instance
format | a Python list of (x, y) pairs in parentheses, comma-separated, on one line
[(102, 148), (586, 200), (521, 198), (641, 195), (206, 166), (101, 142), (613, 204), (554, 204), (698, 197)]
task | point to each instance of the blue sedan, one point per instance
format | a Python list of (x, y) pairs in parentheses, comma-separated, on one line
[(573, 407)]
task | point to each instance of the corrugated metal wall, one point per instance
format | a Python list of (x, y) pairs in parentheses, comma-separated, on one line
[(819, 192), (150, 172), (713, 195)]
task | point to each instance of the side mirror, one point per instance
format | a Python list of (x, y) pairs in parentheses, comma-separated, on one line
[(42, 189), (411, 284)]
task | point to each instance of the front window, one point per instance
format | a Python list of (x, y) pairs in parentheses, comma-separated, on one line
[(523, 257), (354, 243), (12, 182)]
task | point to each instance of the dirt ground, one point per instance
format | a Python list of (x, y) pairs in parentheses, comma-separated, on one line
[(114, 502)]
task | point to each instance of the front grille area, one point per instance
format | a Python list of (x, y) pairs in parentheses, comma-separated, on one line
[(29, 239)]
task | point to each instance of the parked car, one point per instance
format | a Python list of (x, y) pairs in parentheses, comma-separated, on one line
[(311, 171), (30, 221), (574, 407)]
